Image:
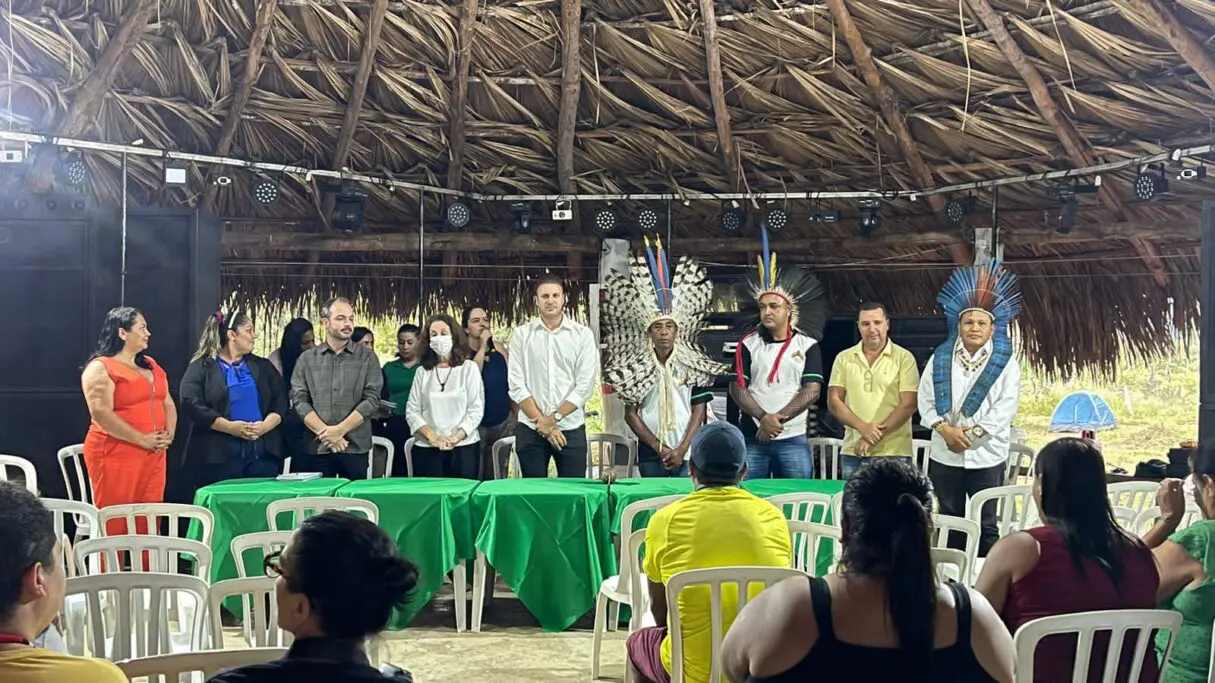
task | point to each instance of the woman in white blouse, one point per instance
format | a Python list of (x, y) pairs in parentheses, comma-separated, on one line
[(445, 405)]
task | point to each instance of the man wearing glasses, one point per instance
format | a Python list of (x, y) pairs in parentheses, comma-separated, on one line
[(872, 392)]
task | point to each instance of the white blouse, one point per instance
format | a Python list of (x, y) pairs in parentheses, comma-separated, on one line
[(446, 399)]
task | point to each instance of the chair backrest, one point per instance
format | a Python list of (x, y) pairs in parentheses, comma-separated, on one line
[(84, 516), (303, 508), (1147, 519), (29, 475), (627, 517), (920, 448), (171, 668), (1087, 625), (805, 507), (71, 466), (1134, 495), (267, 542), (601, 447), (135, 618), (944, 524), (809, 539), (1021, 458), (1013, 505), (260, 623), (389, 453), (130, 518), (505, 444), (826, 453), (837, 508), (142, 553), (951, 564), (1125, 517), (715, 579), (630, 570), (408, 448)]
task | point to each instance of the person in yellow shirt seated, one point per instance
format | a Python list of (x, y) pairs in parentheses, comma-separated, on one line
[(718, 525), (32, 585)]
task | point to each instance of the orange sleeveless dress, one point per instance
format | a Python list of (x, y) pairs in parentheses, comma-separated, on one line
[(120, 472)]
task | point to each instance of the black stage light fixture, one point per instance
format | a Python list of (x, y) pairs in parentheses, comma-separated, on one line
[(733, 219), (871, 217), (523, 217), (265, 191), (457, 215), (826, 217), (775, 221), (605, 219), (958, 208), (349, 207), (71, 169), (647, 218), (1150, 183), (1067, 216)]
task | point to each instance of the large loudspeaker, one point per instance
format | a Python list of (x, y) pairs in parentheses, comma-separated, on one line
[(61, 270)]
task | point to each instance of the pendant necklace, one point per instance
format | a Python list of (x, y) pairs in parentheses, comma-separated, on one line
[(443, 381)]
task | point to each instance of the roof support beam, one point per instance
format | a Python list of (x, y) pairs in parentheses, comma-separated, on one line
[(892, 113), (459, 94), (1167, 26), (88, 97), (717, 93), (571, 87), (1064, 131), (262, 24)]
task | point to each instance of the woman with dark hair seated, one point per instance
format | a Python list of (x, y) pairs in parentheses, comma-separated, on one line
[(883, 616), (1080, 560), (339, 579)]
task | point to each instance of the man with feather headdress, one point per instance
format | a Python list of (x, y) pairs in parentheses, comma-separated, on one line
[(652, 320), (778, 366), (969, 391)]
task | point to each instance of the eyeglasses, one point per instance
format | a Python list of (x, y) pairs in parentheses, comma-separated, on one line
[(272, 565)]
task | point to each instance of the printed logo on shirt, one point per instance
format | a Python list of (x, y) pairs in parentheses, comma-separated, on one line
[(798, 355)]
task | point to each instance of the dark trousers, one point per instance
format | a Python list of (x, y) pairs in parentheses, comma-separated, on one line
[(352, 466), (650, 465), (211, 472), (396, 430), (534, 452), (461, 462), (953, 484)]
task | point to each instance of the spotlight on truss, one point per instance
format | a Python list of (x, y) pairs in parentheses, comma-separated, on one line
[(523, 217), (958, 208), (733, 219), (176, 175), (647, 218), (775, 221), (871, 217), (71, 170), (1150, 183), (605, 220), (265, 192), (458, 215)]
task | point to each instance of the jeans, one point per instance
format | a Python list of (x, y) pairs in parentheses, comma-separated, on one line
[(780, 459), (952, 486), (246, 459), (534, 452), (649, 464), (849, 464)]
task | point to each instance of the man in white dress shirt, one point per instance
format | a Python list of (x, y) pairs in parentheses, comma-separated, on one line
[(551, 377), (969, 391)]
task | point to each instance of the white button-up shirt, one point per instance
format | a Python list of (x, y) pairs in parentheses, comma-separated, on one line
[(552, 367), (995, 414)]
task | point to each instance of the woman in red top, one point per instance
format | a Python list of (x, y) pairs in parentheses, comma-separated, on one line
[(1080, 561), (133, 417)]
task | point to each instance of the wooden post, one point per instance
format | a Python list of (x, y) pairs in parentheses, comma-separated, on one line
[(717, 92)]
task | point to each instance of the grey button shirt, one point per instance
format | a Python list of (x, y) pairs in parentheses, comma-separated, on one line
[(335, 384)]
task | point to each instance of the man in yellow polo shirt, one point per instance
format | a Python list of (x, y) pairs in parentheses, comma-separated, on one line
[(872, 392), (718, 525)]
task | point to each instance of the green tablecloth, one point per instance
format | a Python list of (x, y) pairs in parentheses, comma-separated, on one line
[(627, 491), (240, 506), (774, 487), (549, 540), (430, 521)]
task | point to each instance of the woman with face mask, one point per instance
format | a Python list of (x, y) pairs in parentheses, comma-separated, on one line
[(235, 401), (446, 404)]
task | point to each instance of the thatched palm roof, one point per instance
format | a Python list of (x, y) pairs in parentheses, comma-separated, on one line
[(834, 95)]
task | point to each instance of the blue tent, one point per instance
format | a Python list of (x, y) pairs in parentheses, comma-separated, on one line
[(1082, 411)]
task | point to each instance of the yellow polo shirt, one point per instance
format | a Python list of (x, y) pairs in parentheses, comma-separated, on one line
[(872, 392), (713, 527), (35, 665)]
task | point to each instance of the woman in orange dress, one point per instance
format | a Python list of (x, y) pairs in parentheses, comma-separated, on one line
[(133, 417)]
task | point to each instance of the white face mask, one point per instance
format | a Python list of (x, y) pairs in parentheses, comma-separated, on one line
[(441, 345)]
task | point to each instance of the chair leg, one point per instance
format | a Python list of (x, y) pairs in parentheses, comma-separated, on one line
[(478, 600), (460, 580), (601, 607), (614, 618)]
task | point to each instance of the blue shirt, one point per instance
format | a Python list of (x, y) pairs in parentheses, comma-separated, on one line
[(497, 389), (244, 403)]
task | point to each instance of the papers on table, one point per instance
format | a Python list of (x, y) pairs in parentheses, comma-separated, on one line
[(298, 476)]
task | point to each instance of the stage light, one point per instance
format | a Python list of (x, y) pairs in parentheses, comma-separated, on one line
[(871, 219), (647, 218), (958, 208), (1148, 184), (775, 221), (825, 217), (1199, 173), (222, 180), (71, 170), (1067, 216), (348, 208), (523, 217), (733, 219), (265, 192), (458, 215), (605, 220), (176, 176)]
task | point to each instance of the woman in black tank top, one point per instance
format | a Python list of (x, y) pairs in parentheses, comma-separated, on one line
[(898, 623)]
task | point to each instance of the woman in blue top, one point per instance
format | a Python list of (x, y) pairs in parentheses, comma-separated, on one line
[(235, 401)]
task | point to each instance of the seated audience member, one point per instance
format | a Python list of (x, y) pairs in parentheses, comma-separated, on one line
[(884, 616), (1080, 560), (718, 525), (1186, 560), (32, 585), (339, 579)]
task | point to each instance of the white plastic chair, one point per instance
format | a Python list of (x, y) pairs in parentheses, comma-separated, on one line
[(303, 508), (827, 452), (970, 530), (1125, 517), (807, 539), (1020, 458), (1013, 505), (172, 668), (389, 450), (60, 509), (921, 447), (1134, 495), (71, 466), (409, 443), (714, 579), (506, 443), (802, 506), (945, 558), (28, 473), (161, 553), (153, 513), (837, 509), (1147, 519), (259, 627), (136, 607), (268, 542), (603, 446), (1087, 625)]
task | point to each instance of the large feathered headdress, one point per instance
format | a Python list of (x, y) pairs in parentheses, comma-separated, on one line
[(989, 288), (648, 293), (806, 296)]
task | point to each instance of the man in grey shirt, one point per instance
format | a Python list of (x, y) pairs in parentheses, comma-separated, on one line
[(335, 389)]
